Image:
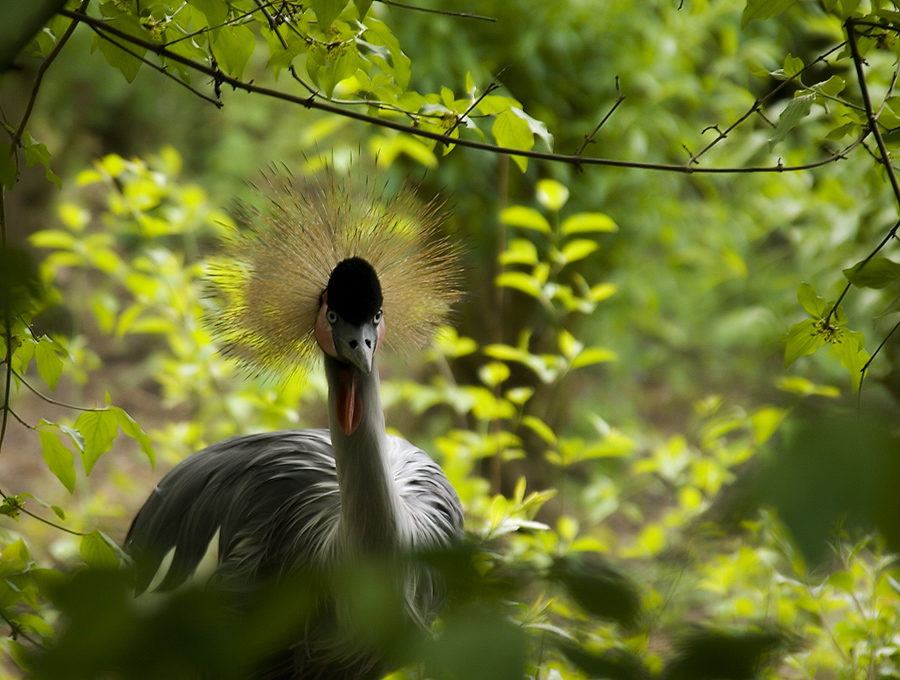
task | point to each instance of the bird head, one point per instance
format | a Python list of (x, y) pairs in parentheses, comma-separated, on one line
[(350, 329), (316, 266), (350, 323)]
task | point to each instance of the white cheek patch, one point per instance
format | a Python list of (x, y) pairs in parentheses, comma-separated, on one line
[(323, 332)]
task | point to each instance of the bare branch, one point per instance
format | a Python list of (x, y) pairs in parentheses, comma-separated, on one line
[(870, 113), (156, 67), (461, 15), (589, 138), (490, 88), (20, 130), (758, 104)]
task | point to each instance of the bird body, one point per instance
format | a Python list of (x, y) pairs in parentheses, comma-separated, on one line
[(269, 506)]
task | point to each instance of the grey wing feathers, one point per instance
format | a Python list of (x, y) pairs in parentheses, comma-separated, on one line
[(435, 515), (274, 500), (277, 491)]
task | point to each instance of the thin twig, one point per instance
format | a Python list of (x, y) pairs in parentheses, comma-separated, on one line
[(490, 88), (429, 10), (50, 400), (890, 235), (883, 342), (162, 69), (758, 104), (870, 113), (20, 130), (589, 138)]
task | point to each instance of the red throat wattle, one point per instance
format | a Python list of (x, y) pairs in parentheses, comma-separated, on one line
[(349, 402)]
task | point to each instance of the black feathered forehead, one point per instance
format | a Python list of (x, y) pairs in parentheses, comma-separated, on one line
[(354, 291)]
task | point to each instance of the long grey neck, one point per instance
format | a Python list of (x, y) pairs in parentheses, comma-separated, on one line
[(369, 499)]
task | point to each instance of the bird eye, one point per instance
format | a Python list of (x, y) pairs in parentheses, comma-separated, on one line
[(332, 317), (377, 317)]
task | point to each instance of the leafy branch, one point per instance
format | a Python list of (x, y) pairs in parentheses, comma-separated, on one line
[(319, 101)]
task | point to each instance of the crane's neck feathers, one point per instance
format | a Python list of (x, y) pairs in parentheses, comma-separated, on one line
[(369, 499)]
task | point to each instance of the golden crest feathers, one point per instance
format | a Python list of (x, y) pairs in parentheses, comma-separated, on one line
[(276, 267)]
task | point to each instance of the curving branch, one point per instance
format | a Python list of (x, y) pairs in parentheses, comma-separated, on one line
[(314, 101)]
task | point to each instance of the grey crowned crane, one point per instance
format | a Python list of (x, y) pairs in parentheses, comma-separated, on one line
[(318, 269)]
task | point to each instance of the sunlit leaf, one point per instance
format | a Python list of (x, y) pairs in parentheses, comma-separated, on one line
[(132, 429), (594, 355), (233, 46), (796, 110), (876, 272), (804, 338), (760, 10), (99, 429), (588, 222), (525, 218), (98, 552), (520, 281), (512, 132), (540, 428), (327, 11), (49, 365), (811, 302), (128, 62), (58, 458), (578, 249), (551, 194)]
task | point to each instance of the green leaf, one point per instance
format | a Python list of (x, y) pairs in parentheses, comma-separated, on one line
[(99, 429), (796, 110), (520, 281), (812, 303), (804, 338), (49, 365), (362, 6), (20, 655), (132, 429), (512, 131), (760, 10), (216, 11), (876, 272), (525, 218), (327, 11), (129, 63), (849, 349), (798, 385), (493, 373), (831, 87), (58, 458), (551, 194), (98, 551), (233, 46), (520, 251), (594, 355), (581, 223), (38, 153), (578, 250), (540, 428), (792, 66), (765, 421), (568, 345)]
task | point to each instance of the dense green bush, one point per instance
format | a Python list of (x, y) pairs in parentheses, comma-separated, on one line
[(658, 477)]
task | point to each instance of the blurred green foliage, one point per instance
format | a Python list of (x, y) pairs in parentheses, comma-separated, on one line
[(660, 474)]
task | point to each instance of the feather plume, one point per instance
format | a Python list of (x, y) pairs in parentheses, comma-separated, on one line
[(276, 266)]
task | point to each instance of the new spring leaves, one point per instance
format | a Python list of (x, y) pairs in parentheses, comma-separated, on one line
[(828, 325)]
